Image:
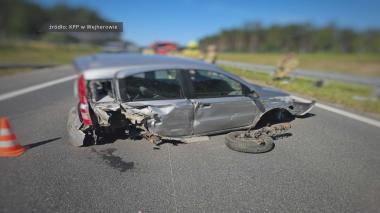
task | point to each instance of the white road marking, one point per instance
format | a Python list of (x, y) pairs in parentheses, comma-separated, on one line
[(19, 92), (342, 112)]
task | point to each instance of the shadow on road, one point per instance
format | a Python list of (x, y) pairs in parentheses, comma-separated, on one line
[(281, 136), (32, 145), (108, 138), (307, 115), (173, 142), (111, 139)]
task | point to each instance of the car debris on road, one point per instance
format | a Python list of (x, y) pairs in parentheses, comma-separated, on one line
[(256, 141)]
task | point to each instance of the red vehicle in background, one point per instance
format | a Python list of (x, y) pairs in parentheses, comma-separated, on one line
[(163, 48)]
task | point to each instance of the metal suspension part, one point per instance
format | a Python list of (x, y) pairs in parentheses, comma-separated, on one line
[(271, 131)]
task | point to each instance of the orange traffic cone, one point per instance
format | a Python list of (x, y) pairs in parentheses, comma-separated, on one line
[(8, 145)]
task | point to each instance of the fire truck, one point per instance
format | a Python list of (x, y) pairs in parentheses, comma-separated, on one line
[(163, 48)]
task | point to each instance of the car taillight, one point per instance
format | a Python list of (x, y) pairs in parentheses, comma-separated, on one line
[(82, 91), (84, 107)]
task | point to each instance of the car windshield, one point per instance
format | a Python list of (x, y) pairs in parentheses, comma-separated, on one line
[(152, 85)]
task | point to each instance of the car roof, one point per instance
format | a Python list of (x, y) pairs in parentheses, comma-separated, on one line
[(126, 60), (110, 65)]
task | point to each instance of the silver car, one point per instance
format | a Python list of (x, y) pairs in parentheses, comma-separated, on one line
[(160, 97)]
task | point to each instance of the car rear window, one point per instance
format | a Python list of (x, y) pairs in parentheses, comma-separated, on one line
[(152, 85), (101, 90)]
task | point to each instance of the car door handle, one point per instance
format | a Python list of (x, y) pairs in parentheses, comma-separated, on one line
[(205, 105)]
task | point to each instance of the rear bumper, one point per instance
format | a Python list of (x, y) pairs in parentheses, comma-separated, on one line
[(75, 135)]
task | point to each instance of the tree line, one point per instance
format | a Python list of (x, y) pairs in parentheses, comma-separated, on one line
[(304, 37)]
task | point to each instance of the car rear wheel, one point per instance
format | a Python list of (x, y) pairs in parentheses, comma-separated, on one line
[(74, 135), (237, 141)]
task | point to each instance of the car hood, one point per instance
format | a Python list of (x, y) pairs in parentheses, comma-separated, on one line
[(268, 92)]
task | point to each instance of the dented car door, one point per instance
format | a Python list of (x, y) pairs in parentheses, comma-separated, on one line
[(219, 102), (159, 96)]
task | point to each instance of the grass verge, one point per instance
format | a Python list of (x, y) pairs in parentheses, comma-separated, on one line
[(357, 64), (334, 92), (38, 52)]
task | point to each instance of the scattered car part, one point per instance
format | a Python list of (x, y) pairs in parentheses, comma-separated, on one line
[(271, 131), (237, 141), (255, 141)]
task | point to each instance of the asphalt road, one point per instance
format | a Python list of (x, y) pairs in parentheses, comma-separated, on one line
[(331, 163)]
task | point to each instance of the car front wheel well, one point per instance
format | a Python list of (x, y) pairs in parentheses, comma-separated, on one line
[(274, 116)]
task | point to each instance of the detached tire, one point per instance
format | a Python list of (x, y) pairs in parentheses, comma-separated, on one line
[(248, 145)]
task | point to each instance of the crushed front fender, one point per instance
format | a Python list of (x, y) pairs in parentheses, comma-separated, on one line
[(301, 108)]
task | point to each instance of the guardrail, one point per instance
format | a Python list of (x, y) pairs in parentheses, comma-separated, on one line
[(324, 75)]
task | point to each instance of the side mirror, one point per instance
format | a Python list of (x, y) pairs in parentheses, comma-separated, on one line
[(254, 94)]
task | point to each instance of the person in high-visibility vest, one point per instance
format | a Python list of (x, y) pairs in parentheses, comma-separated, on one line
[(192, 50)]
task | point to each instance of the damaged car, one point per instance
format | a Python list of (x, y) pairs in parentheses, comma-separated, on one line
[(167, 98)]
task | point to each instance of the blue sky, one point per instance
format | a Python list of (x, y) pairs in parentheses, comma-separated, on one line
[(184, 20)]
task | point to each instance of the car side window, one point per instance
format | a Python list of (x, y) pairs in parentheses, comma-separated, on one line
[(152, 85), (213, 84)]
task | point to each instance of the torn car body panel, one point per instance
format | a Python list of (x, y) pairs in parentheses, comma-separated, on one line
[(273, 98), (173, 118)]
